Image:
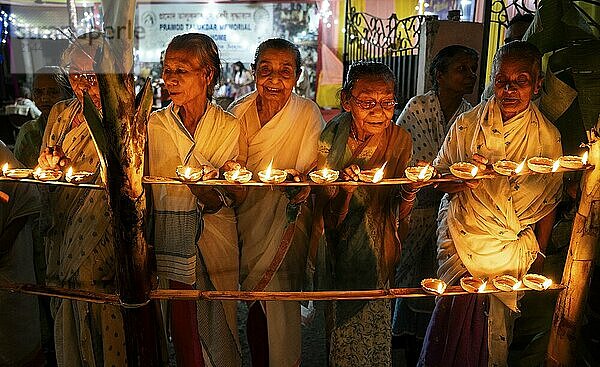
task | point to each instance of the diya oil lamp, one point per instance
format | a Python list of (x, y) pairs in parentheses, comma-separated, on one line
[(189, 174), (79, 176), (374, 175), (240, 175), (433, 286), (540, 164), (272, 175), (16, 172), (464, 170), (419, 173), (47, 174), (324, 175), (537, 282), (472, 284), (506, 283), (506, 167), (573, 161)]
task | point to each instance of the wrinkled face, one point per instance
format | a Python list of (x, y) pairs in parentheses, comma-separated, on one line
[(371, 102), (185, 79), (82, 76), (460, 76), (275, 75), (46, 92), (515, 83)]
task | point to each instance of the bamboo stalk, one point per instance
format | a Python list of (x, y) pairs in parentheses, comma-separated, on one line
[(580, 259), (176, 294)]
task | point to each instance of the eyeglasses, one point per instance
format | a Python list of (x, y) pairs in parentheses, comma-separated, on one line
[(386, 104), (89, 78)]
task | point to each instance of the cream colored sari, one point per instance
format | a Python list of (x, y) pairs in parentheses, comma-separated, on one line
[(273, 241)]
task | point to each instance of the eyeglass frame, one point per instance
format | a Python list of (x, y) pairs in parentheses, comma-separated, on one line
[(361, 103)]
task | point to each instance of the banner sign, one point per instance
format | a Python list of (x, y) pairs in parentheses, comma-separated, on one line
[(237, 29)]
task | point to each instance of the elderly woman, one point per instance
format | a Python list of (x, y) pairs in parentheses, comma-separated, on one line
[(363, 225), (493, 227), (428, 118), (194, 234), (79, 243), (279, 126)]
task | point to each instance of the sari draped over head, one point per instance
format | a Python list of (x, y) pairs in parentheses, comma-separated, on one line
[(19, 317), (363, 250), (489, 230), (80, 248), (273, 233), (193, 247)]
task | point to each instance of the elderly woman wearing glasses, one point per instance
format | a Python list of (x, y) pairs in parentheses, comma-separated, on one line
[(364, 225), (79, 243)]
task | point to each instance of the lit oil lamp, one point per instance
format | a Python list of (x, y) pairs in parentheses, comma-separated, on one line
[(189, 174), (47, 174), (537, 282), (506, 167), (272, 175), (419, 173), (506, 283), (374, 175), (540, 164), (16, 172), (555, 165), (471, 284), (324, 175), (464, 170), (78, 177), (240, 175), (434, 286), (573, 161), (4, 169), (482, 288)]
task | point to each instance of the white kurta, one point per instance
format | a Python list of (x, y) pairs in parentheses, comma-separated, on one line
[(290, 139), (181, 256), (489, 230)]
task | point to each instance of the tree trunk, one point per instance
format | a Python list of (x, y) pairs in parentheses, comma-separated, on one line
[(120, 136), (580, 260)]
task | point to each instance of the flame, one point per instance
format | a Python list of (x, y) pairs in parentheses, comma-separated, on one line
[(378, 176), (440, 288), (38, 170), (4, 168), (268, 170), (584, 158), (325, 172), (188, 173), (474, 171), (517, 285), (235, 174), (520, 166), (69, 173), (547, 283), (555, 166), (481, 288), (423, 172)]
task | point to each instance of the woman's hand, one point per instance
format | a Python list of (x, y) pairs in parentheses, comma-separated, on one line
[(230, 165), (350, 173), (53, 158), (209, 173), (304, 192)]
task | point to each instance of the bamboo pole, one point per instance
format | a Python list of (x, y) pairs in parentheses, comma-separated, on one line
[(580, 259), (176, 294)]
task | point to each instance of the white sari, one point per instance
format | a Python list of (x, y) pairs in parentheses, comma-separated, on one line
[(210, 261), (273, 246), (489, 230)]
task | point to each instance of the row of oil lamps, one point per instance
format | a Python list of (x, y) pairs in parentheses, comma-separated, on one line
[(462, 170), (504, 283)]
